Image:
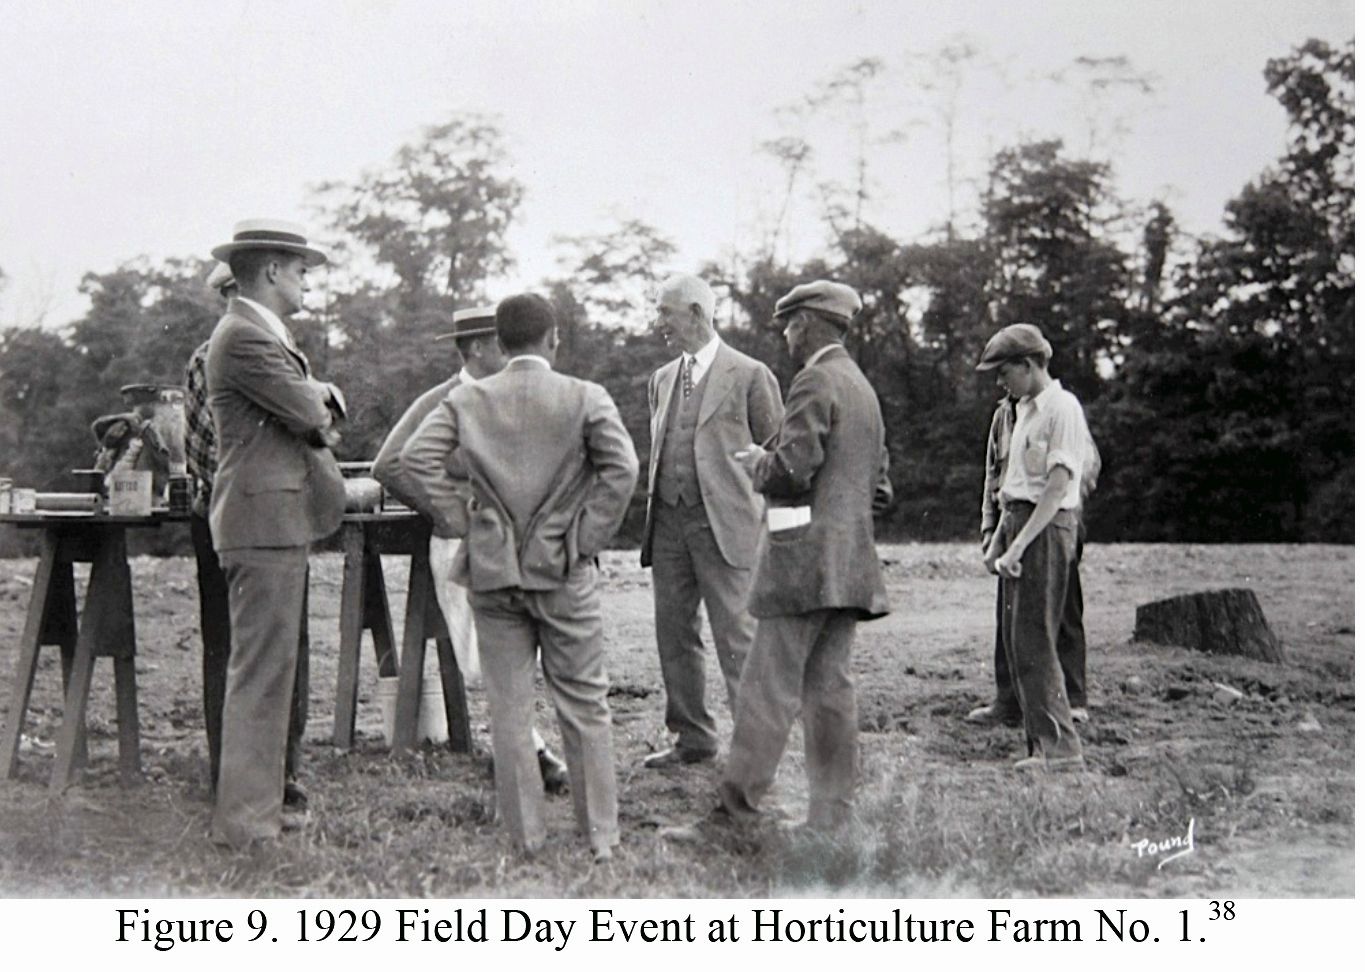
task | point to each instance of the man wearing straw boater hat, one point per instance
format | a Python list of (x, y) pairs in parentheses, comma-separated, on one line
[(276, 490), (475, 337), (215, 622)]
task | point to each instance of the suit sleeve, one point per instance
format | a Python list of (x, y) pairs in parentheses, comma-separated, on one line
[(388, 468), (262, 372), (883, 494), (765, 404), (991, 485), (422, 464), (786, 471), (611, 453)]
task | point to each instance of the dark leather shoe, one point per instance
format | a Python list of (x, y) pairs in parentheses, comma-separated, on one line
[(677, 756), (553, 773), (295, 795)]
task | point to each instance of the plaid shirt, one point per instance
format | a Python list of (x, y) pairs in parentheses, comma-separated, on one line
[(201, 441)]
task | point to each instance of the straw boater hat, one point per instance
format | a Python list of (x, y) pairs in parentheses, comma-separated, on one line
[(471, 322), (270, 234)]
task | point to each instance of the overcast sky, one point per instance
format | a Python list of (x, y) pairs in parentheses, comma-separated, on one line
[(145, 127)]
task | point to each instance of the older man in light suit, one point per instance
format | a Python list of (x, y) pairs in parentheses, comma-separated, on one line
[(548, 470), (818, 572), (703, 519), (276, 490)]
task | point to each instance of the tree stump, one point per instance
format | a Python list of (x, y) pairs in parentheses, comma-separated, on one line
[(1226, 622)]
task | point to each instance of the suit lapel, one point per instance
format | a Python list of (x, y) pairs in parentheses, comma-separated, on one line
[(249, 313), (719, 377), (668, 383)]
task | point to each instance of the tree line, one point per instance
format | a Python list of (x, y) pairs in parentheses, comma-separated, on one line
[(1217, 372)]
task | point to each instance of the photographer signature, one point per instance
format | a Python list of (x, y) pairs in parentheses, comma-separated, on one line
[(1182, 845)]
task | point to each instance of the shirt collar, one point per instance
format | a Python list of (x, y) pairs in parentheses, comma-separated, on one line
[(821, 353), (466, 378), (1038, 400), (272, 320), (706, 354), (533, 358)]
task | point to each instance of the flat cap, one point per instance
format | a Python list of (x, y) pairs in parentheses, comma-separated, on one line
[(472, 322), (1011, 343), (221, 278), (835, 299)]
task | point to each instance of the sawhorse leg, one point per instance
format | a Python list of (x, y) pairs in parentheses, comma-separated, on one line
[(106, 629), (51, 620), (364, 605), (423, 620)]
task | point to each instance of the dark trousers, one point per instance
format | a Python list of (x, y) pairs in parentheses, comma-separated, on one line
[(799, 666), (215, 627), (1070, 640), (1032, 617)]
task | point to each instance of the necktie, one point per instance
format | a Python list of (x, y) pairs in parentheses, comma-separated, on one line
[(689, 364)]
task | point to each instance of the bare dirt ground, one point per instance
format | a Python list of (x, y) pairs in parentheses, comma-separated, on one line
[(1268, 778)]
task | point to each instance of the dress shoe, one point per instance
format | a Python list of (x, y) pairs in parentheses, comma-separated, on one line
[(677, 756), (1038, 764), (553, 773), (294, 794), (994, 714), (1079, 715)]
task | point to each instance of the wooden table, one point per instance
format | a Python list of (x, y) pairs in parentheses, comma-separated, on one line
[(364, 606), (105, 629)]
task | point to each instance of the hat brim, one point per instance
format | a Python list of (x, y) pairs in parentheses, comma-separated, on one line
[(312, 257), (991, 365), (473, 332), (833, 317)]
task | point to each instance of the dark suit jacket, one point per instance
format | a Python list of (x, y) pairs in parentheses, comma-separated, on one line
[(741, 404), (550, 472), (830, 455), (275, 486)]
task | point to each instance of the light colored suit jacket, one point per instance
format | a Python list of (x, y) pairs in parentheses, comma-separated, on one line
[(276, 484), (550, 471), (830, 455), (388, 468), (741, 404)]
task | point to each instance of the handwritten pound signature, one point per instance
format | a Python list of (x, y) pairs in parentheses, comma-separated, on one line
[(1182, 845)]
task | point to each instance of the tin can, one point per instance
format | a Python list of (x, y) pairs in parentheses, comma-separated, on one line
[(23, 501)]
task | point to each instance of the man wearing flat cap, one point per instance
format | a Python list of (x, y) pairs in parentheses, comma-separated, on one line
[(818, 573), (1033, 548), (215, 620), (545, 472), (475, 338), (1004, 708), (703, 518), (276, 490)]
